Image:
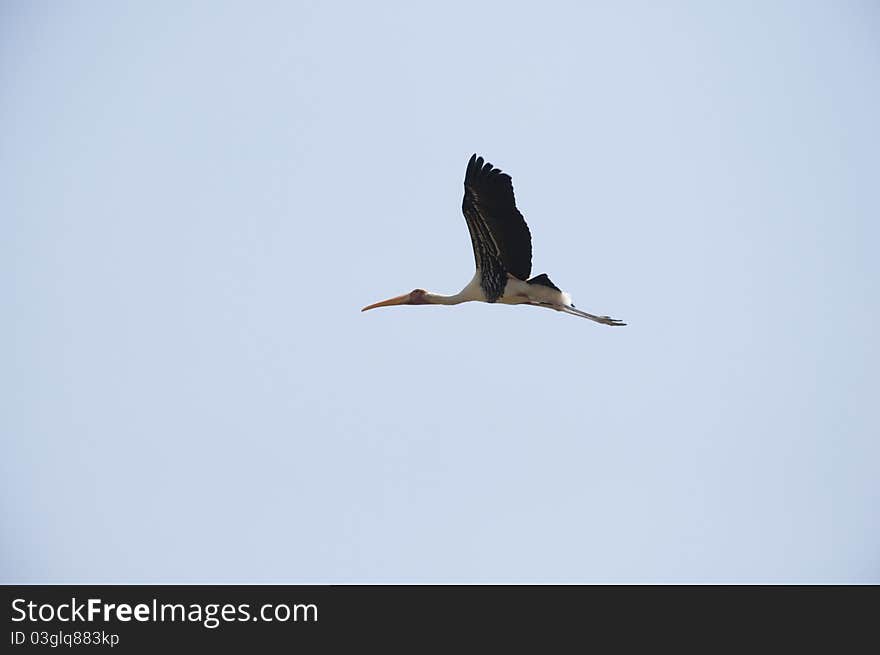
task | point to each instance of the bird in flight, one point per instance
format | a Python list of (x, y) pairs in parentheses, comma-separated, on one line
[(502, 252)]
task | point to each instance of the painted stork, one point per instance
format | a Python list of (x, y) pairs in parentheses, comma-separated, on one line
[(502, 252)]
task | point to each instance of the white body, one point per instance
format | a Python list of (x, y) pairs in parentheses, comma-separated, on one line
[(516, 292)]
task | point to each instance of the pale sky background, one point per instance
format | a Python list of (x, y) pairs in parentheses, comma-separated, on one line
[(198, 198)]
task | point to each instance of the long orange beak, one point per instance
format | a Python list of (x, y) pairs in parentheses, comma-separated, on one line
[(397, 300)]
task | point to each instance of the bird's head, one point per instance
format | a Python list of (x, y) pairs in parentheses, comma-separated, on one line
[(414, 297)]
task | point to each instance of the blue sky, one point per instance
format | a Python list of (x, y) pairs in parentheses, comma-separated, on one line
[(198, 198)]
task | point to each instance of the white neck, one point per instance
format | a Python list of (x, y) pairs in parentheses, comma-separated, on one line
[(472, 291), (437, 299)]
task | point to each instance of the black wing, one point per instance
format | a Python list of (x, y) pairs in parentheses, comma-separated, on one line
[(499, 234)]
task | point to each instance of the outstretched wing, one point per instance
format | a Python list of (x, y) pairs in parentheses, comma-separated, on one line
[(499, 234)]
